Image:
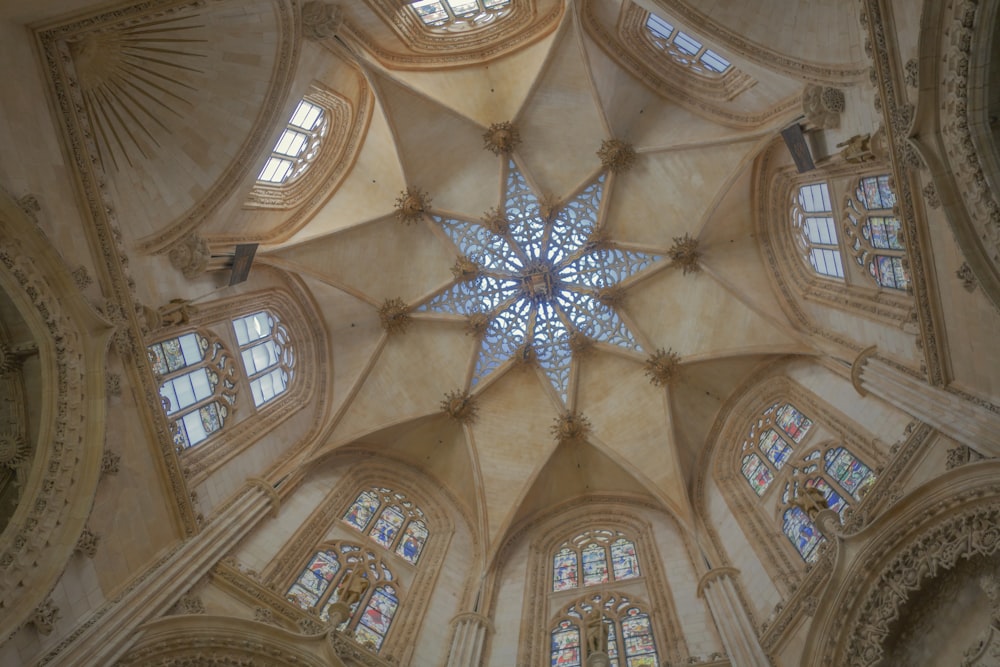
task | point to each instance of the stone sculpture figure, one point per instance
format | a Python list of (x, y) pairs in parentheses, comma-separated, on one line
[(352, 588), (597, 632), (812, 502)]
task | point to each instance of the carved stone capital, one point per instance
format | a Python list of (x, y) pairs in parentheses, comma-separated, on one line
[(321, 20), (190, 256), (822, 106), (45, 617), (87, 543)]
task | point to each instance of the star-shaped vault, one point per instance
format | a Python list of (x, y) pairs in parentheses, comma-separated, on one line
[(538, 279)]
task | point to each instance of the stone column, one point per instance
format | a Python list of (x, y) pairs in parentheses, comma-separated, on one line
[(972, 425), (109, 632), (737, 632), (468, 639)]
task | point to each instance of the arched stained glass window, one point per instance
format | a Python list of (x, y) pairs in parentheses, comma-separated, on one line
[(456, 15), (812, 218), (842, 479), (684, 48), (197, 385), (321, 583), (874, 234), (267, 355), (394, 522), (630, 640), (297, 146), (594, 550), (770, 442)]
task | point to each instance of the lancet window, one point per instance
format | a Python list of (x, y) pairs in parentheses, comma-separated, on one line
[(297, 146), (197, 385), (626, 626), (593, 558), (812, 217), (454, 15), (839, 478), (393, 521), (349, 573), (769, 443), (873, 232), (684, 48), (267, 355)]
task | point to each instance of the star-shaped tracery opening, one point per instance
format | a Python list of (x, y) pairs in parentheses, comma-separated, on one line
[(538, 281)]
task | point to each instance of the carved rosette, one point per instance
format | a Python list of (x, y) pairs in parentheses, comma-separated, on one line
[(461, 406), (14, 451), (496, 221), (685, 253), (87, 543), (110, 463), (476, 323), (394, 315), (321, 20), (464, 269), (501, 138), (661, 366), (45, 617), (190, 256), (617, 156), (968, 278), (189, 604), (822, 106), (411, 205), (570, 426)]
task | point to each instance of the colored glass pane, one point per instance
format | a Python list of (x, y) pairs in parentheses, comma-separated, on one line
[(888, 272), (595, 565), (565, 573), (539, 280), (802, 532), (566, 645), (362, 510), (637, 636), (774, 448), (379, 612), (883, 232), (623, 559), (875, 193), (757, 473), (793, 422), (412, 542), (853, 475), (387, 526)]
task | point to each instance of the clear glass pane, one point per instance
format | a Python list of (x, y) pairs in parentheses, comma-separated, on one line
[(291, 143), (659, 27), (687, 43), (815, 198), (714, 61)]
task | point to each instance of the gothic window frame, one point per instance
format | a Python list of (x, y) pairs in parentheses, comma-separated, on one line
[(786, 253), (404, 540), (591, 541), (815, 228), (684, 48), (212, 402), (322, 576), (444, 17), (623, 611), (872, 206), (314, 167), (277, 351)]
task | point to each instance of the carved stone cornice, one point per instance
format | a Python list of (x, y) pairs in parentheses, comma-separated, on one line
[(857, 365)]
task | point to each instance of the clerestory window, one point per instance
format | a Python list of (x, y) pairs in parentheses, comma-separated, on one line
[(593, 558), (459, 14), (297, 146), (390, 519), (684, 48), (197, 385), (267, 355)]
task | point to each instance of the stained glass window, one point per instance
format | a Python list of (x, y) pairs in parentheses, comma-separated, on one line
[(874, 232), (594, 550), (398, 524), (267, 355), (538, 281), (838, 474), (455, 15), (335, 566), (812, 216), (770, 443), (197, 385), (631, 640), (297, 146), (685, 49)]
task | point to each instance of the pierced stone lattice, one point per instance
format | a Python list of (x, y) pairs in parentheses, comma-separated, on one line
[(527, 285)]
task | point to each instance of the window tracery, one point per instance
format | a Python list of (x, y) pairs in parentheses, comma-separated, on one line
[(457, 15), (297, 146), (684, 48), (873, 232), (589, 554), (327, 575), (267, 355), (197, 385), (630, 641), (394, 522)]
